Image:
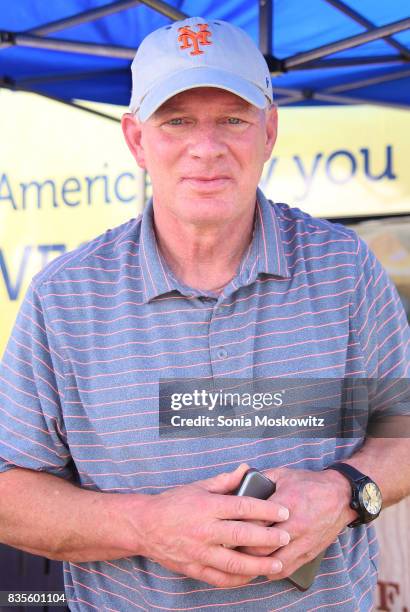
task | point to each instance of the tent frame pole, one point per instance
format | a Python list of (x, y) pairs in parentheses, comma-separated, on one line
[(346, 10), (61, 101), (342, 99), (165, 9), (332, 94), (104, 11), (72, 76), (392, 76), (57, 44), (295, 61), (265, 27), (335, 62), (84, 17)]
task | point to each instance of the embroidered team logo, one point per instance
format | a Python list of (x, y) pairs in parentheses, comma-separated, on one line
[(191, 40)]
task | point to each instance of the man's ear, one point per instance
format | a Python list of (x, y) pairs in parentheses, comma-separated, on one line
[(131, 128), (271, 124)]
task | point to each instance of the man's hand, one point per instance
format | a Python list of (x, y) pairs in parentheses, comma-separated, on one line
[(187, 529), (319, 510)]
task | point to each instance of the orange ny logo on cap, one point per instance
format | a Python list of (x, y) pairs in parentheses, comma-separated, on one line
[(188, 38)]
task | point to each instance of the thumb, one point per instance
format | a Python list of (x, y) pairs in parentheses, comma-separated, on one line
[(226, 482)]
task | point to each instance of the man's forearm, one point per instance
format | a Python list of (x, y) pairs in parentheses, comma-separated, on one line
[(190, 529), (46, 515)]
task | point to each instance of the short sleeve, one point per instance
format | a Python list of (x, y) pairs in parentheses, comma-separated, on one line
[(381, 327), (379, 319), (32, 431)]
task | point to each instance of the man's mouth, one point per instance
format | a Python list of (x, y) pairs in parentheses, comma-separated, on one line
[(207, 182)]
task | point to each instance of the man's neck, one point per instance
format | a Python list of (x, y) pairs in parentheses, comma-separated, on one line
[(204, 257)]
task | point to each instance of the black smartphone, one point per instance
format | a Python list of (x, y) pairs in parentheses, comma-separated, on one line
[(256, 484), (304, 577)]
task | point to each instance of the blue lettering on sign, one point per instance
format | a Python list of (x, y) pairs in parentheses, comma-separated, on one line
[(353, 166), (90, 180), (91, 190), (39, 190), (359, 161), (67, 188), (14, 290), (4, 181), (388, 171), (119, 178), (308, 178)]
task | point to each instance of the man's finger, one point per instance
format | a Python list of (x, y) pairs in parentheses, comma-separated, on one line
[(250, 508), (240, 533), (216, 577), (234, 562), (207, 574), (294, 556), (258, 551), (226, 482)]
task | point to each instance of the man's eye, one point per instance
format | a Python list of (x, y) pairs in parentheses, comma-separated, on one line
[(176, 121), (234, 121)]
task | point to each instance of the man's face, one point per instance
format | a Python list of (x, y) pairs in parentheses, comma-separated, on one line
[(204, 150)]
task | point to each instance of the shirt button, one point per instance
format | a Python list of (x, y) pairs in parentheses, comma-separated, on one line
[(222, 353)]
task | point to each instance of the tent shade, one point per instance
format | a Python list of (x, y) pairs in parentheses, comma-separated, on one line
[(319, 52)]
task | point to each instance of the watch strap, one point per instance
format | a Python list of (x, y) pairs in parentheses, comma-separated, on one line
[(349, 471), (355, 478)]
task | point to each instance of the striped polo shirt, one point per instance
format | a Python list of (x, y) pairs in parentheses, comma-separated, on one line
[(101, 325)]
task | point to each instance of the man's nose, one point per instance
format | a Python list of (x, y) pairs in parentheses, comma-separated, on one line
[(207, 141)]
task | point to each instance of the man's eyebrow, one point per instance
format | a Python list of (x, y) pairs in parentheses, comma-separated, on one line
[(163, 110), (231, 108), (237, 108)]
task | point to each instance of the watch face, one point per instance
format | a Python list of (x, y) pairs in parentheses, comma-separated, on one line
[(372, 499)]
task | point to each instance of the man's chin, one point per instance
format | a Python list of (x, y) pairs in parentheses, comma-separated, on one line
[(200, 208)]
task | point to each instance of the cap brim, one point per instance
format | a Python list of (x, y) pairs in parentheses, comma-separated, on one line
[(199, 77)]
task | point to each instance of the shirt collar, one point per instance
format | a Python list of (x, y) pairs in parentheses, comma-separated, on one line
[(271, 258), (265, 254), (156, 276)]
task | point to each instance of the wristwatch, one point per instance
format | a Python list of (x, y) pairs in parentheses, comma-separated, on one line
[(366, 495)]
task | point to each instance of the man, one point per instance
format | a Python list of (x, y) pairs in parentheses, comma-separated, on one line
[(212, 281)]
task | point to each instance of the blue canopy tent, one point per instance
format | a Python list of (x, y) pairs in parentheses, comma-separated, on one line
[(319, 52)]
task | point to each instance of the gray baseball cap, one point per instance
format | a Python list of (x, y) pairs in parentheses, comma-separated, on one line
[(197, 52)]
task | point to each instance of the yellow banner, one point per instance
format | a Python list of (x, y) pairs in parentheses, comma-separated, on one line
[(341, 161), (65, 177)]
